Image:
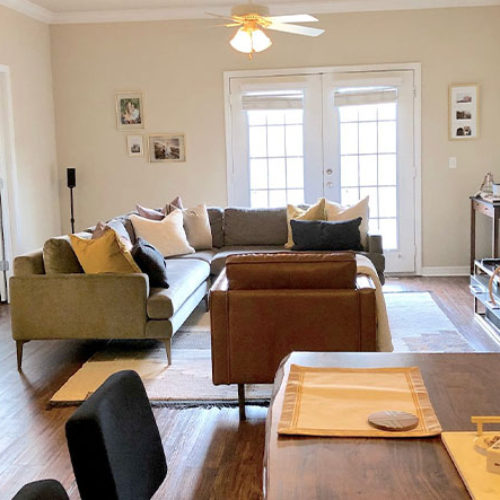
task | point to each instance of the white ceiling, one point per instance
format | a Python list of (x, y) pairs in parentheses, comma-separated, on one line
[(82, 11)]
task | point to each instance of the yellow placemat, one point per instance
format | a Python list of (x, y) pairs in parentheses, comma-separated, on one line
[(471, 465), (338, 401)]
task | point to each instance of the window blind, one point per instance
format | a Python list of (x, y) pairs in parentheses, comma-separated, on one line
[(279, 100), (355, 96)]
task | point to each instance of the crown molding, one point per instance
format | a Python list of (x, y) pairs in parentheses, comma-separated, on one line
[(29, 9), (200, 11)]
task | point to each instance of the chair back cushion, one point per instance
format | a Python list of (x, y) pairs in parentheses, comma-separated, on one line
[(291, 271), (114, 442)]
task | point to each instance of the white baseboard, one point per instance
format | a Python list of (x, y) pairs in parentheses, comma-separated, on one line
[(445, 271)]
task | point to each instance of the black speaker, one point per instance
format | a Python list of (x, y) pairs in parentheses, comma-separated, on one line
[(71, 177)]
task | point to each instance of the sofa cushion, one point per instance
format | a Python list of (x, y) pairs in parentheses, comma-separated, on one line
[(255, 226), (204, 255), (151, 262), (197, 227), (219, 260), (106, 254), (216, 218), (325, 235), (167, 235), (59, 257), (315, 212), (336, 212), (184, 277)]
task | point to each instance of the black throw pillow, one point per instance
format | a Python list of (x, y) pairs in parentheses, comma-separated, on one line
[(151, 262), (326, 235)]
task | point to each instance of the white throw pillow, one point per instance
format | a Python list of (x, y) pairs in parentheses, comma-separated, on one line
[(167, 235), (335, 212), (197, 227), (315, 212)]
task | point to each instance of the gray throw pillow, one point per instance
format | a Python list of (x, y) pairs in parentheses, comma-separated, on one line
[(326, 235)]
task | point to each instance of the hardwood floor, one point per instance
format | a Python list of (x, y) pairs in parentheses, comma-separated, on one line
[(210, 454)]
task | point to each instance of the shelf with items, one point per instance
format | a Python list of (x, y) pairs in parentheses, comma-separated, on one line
[(485, 310)]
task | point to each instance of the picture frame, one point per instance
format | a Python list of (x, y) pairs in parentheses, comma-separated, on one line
[(135, 146), (463, 112), (129, 110), (167, 148)]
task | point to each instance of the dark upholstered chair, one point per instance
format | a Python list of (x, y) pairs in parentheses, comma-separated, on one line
[(114, 442), (47, 489)]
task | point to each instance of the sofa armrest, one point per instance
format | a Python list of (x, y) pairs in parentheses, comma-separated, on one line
[(29, 263), (76, 306), (364, 282), (375, 243)]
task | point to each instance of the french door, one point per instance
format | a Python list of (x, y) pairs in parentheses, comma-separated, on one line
[(342, 135)]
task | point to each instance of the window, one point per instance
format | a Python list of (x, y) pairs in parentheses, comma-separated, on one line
[(368, 154)]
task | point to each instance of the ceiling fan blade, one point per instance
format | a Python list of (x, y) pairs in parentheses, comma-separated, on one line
[(229, 18), (294, 29), (299, 18)]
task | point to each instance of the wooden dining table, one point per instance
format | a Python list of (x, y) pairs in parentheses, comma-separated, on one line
[(303, 467)]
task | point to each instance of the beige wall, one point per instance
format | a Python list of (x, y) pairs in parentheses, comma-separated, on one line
[(25, 48), (179, 67)]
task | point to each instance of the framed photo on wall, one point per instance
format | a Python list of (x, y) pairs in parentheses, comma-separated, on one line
[(129, 110), (167, 148), (135, 146), (464, 112)]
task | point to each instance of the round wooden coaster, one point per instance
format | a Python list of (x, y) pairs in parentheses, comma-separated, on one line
[(392, 420)]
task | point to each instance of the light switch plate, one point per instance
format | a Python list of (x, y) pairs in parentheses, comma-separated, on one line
[(452, 162)]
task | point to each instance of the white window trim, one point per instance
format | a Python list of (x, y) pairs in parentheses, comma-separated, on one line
[(417, 123)]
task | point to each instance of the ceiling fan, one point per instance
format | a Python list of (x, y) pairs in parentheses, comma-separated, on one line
[(252, 19)]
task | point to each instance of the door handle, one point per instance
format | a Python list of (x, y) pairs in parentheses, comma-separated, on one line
[(329, 171), (329, 184)]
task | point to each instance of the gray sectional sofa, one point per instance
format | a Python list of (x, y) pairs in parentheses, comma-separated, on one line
[(51, 297)]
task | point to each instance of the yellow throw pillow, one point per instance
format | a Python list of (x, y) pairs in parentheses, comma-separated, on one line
[(336, 212), (106, 254), (315, 212)]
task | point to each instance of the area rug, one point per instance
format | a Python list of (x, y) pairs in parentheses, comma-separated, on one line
[(417, 325)]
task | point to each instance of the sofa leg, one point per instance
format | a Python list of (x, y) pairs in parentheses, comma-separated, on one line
[(168, 348), (241, 401), (19, 349)]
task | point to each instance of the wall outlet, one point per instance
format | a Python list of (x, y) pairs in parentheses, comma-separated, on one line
[(452, 162)]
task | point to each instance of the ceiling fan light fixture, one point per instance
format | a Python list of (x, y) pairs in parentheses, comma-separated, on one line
[(249, 39)]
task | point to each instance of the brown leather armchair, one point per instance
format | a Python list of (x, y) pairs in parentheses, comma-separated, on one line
[(264, 306)]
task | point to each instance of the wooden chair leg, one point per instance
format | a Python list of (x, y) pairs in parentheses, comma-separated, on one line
[(168, 348), (241, 401), (19, 348)]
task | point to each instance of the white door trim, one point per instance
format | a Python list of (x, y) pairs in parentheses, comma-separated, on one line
[(415, 67), (8, 170)]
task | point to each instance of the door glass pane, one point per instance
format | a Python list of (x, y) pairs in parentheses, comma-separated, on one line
[(277, 175), (368, 170), (277, 198), (387, 170), (258, 198), (368, 167), (348, 138), (258, 174), (257, 142), (276, 141), (349, 170), (368, 138), (387, 202), (276, 157), (295, 173)]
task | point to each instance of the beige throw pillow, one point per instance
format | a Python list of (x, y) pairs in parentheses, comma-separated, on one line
[(197, 227), (167, 235), (336, 212), (315, 212)]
